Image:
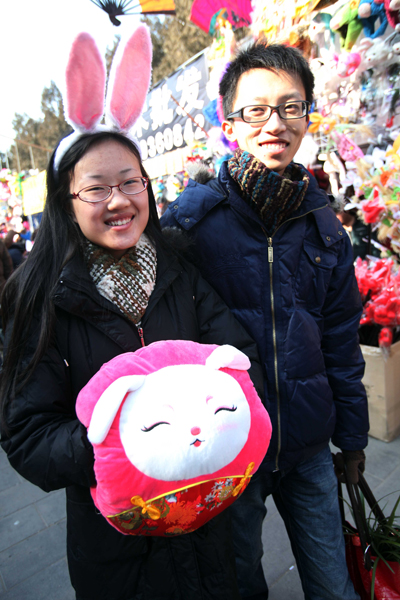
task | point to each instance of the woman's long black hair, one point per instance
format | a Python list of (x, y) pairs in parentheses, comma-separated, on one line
[(29, 291)]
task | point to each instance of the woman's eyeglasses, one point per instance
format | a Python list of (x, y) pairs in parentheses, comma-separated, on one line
[(99, 193), (262, 112)]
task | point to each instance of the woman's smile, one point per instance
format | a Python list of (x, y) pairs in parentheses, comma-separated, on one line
[(119, 221), (116, 223)]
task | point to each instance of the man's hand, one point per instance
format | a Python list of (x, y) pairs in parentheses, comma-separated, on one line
[(354, 460)]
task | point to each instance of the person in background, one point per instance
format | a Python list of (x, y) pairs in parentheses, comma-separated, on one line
[(25, 234), (29, 243), (6, 268), (6, 265), (267, 240), (16, 247), (101, 280)]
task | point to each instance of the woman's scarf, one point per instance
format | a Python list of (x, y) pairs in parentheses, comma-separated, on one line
[(127, 282)]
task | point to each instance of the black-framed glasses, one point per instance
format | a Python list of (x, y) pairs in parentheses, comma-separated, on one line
[(258, 113), (99, 193)]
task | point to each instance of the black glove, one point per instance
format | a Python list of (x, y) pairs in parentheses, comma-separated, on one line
[(354, 460)]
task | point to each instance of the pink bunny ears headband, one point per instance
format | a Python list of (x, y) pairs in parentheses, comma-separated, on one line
[(85, 87)]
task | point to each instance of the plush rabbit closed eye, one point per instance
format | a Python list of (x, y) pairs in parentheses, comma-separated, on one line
[(178, 429)]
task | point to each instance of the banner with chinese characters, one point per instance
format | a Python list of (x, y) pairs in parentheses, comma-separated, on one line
[(173, 119)]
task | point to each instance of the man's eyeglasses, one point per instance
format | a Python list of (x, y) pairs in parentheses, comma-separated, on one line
[(99, 193), (262, 112)]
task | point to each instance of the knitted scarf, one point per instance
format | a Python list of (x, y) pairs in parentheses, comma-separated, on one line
[(127, 282), (272, 196)]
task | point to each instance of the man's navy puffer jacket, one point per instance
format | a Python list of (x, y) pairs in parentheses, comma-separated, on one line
[(297, 296)]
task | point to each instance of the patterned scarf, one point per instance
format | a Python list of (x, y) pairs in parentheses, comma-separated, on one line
[(272, 196), (127, 282)]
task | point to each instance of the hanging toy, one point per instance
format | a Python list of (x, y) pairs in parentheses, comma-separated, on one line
[(369, 11), (377, 53), (346, 23), (348, 150), (347, 63), (392, 8)]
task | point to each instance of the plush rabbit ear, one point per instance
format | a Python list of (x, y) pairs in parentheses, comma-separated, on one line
[(129, 80), (228, 356), (108, 405), (85, 82)]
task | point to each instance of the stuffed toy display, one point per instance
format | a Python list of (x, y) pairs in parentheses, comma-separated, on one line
[(392, 8), (377, 54), (320, 32), (369, 11), (347, 63), (178, 430), (347, 24)]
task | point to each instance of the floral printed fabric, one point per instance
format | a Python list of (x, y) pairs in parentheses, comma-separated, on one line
[(181, 511)]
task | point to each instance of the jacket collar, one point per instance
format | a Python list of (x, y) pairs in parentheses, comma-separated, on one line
[(188, 213)]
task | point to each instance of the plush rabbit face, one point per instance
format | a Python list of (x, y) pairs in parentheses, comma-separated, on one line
[(184, 421), (181, 421)]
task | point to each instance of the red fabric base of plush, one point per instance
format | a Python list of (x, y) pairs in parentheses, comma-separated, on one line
[(189, 509)]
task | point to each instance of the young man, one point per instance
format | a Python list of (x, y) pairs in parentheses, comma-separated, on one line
[(267, 240)]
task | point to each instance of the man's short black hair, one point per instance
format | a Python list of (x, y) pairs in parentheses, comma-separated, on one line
[(274, 57)]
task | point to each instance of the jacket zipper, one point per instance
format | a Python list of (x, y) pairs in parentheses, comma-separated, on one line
[(278, 398), (270, 262), (140, 332)]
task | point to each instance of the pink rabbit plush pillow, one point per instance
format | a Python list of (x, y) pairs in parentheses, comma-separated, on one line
[(178, 430)]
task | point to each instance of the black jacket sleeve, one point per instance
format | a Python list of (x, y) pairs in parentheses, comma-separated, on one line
[(45, 442), (343, 358)]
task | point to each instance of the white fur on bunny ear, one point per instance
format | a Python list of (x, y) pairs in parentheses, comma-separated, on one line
[(85, 83), (108, 404), (228, 356), (129, 80)]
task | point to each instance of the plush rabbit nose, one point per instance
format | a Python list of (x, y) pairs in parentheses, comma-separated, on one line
[(195, 430)]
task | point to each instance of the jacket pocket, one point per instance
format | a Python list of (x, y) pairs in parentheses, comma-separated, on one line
[(313, 276), (303, 354)]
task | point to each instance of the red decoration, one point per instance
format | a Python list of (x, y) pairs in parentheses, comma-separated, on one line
[(385, 337), (379, 285), (373, 208)]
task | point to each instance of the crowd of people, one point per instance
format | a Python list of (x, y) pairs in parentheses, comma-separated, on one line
[(266, 267)]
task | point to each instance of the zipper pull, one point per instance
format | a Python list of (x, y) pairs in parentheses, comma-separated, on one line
[(270, 251), (140, 332)]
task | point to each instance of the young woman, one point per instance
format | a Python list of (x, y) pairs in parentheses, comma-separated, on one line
[(102, 280)]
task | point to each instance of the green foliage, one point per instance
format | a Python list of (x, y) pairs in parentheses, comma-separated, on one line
[(385, 540), (384, 536), (43, 134)]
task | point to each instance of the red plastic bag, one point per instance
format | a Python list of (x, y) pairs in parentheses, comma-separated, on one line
[(366, 570), (387, 583)]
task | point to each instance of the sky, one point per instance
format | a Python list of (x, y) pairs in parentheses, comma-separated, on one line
[(35, 40)]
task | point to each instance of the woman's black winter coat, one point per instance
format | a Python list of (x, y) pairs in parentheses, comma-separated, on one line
[(48, 445)]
